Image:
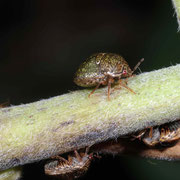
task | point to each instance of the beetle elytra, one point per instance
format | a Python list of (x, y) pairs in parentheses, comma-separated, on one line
[(104, 69)]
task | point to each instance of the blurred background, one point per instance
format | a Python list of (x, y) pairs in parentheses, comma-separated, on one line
[(42, 43)]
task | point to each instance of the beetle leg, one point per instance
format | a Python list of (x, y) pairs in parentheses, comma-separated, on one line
[(110, 81), (77, 156), (109, 89), (139, 136), (94, 90), (70, 160), (87, 150), (137, 65), (151, 132), (125, 86), (59, 158), (126, 81), (5, 104)]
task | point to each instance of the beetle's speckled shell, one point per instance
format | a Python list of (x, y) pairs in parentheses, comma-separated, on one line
[(170, 132), (76, 166), (164, 135), (98, 67)]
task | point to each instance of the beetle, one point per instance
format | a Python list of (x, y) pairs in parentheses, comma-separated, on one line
[(104, 69), (164, 135), (75, 166), (170, 133)]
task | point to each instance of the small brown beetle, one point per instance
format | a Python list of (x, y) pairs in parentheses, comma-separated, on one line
[(170, 132), (76, 165), (104, 69), (164, 135)]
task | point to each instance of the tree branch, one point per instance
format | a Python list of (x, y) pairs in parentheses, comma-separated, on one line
[(39, 130)]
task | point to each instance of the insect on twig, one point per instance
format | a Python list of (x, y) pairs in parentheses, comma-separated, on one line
[(163, 135), (74, 166), (104, 69)]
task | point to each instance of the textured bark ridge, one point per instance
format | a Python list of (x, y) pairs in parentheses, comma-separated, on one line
[(39, 130)]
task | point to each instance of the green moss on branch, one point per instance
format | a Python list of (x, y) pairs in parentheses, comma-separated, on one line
[(38, 130)]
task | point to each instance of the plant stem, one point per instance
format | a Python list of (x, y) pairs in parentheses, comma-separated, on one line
[(39, 130), (176, 4), (11, 174)]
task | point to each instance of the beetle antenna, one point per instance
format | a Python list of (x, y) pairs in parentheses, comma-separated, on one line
[(139, 70), (137, 65)]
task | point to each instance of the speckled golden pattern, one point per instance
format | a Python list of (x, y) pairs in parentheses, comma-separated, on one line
[(98, 67), (75, 166)]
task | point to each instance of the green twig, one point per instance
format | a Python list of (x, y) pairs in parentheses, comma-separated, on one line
[(176, 4), (38, 130), (11, 174)]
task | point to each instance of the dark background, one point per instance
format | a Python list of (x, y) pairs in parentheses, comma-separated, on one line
[(43, 42)]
